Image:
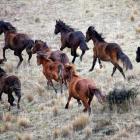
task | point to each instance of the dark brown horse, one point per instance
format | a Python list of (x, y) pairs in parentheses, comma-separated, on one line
[(15, 41), (82, 89), (8, 85), (52, 70), (57, 55), (107, 52), (71, 39)]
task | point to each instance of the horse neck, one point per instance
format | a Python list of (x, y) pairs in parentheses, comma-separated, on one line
[(96, 41)]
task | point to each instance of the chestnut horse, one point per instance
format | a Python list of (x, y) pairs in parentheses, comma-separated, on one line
[(81, 89), (107, 52), (57, 55), (15, 41), (8, 85), (52, 70), (71, 39)]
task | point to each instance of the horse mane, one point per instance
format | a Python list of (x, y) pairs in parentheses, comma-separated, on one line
[(97, 35), (8, 26), (64, 26), (2, 72)]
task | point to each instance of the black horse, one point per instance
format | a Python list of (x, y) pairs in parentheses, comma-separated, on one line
[(71, 39), (15, 41), (8, 85), (138, 55)]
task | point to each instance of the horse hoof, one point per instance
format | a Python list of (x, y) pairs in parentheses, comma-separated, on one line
[(85, 110), (90, 70), (101, 66)]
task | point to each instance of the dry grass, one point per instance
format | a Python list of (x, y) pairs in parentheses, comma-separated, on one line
[(23, 121), (7, 126), (24, 136), (40, 90), (132, 18), (66, 131), (30, 98), (88, 132), (138, 30), (80, 122), (56, 133), (55, 111), (7, 117)]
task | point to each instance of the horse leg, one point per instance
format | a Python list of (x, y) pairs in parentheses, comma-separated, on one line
[(114, 69), (4, 49), (53, 86), (87, 107), (93, 63), (29, 52), (10, 100), (74, 54), (83, 52), (67, 105), (90, 99), (18, 94), (121, 70), (20, 58), (0, 96), (79, 103), (100, 63)]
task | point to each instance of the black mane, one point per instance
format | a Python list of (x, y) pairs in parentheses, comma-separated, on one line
[(2, 72), (93, 32), (64, 27), (7, 26)]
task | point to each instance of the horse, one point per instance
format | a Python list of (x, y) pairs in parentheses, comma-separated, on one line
[(8, 85), (105, 51), (57, 55), (15, 41), (52, 71), (71, 39), (81, 89), (138, 55)]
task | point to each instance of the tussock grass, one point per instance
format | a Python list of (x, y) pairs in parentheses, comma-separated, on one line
[(23, 121), (30, 97), (24, 136), (66, 131), (80, 122), (56, 133)]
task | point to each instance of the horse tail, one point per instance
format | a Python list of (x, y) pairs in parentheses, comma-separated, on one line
[(83, 45), (63, 58), (125, 60), (95, 91)]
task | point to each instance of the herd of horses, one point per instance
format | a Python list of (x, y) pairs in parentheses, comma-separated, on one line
[(56, 64)]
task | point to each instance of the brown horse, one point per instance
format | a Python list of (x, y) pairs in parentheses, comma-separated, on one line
[(71, 39), (52, 70), (57, 55), (8, 85), (81, 89), (107, 52), (15, 41)]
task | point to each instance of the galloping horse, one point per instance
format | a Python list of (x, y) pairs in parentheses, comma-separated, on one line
[(52, 70), (107, 52), (9, 84), (81, 89), (15, 41), (71, 39), (57, 55)]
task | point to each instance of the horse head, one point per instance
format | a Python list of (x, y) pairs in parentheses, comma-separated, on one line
[(6, 26)]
